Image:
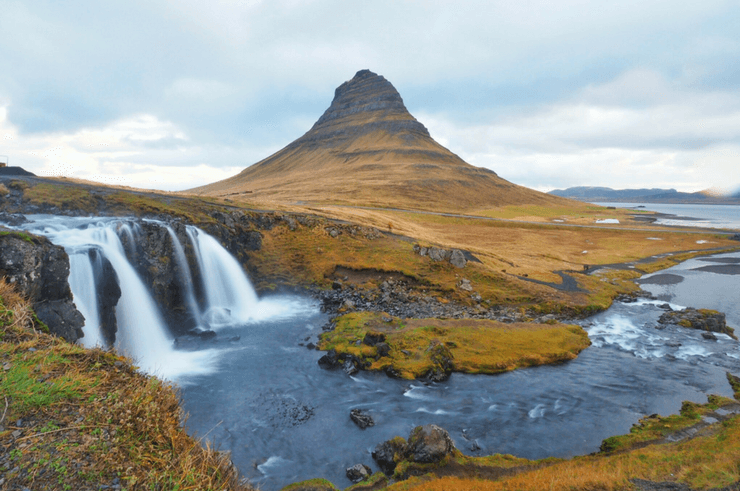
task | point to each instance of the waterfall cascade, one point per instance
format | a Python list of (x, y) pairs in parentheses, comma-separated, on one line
[(142, 333)]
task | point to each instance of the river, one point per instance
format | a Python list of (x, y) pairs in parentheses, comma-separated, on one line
[(258, 391), (285, 419)]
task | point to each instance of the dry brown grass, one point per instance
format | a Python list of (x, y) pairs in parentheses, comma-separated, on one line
[(88, 418)]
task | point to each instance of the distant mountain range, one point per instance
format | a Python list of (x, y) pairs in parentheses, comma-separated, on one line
[(654, 195)]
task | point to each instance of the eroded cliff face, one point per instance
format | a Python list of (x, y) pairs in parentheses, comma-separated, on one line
[(40, 271)]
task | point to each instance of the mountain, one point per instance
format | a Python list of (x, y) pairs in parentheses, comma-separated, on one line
[(655, 195), (367, 149)]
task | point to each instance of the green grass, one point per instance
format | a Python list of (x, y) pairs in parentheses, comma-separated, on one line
[(421, 346)]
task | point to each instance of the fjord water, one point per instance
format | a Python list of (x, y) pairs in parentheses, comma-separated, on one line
[(256, 391), (690, 215)]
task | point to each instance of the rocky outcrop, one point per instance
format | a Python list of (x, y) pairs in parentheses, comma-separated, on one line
[(109, 292), (456, 257), (428, 444), (358, 473), (702, 319), (40, 271), (362, 105)]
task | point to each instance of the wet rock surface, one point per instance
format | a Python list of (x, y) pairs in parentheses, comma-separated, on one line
[(427, 444), (358, 473), (40, 271), (701, 319), (361, 418)]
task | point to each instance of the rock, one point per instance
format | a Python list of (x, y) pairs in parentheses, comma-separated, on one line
[(358, 473), (62, 317), (429, 444), (349, 367), (437, 254), (457, 258), (383, 349), (665, 306), (705, 320), (361, 418), (109, 292), (40, 271), (372, 338), (329, 360), (709, 336), (464, 284), (389, 453)]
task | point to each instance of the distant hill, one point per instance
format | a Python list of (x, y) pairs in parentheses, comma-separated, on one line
[(15, 171), (367, 149), (655, 195)]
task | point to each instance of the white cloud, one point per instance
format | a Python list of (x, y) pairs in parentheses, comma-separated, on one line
[(635, 131)]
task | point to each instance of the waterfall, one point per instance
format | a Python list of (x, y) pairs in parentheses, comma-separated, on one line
[(80, 275), (186, 279), (142, 332), (230, 297)]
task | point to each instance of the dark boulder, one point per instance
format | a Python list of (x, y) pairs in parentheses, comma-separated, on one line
[(329, 360), (701, 319), (429, 444), (389, 453), (361, 418), (40, 271), (383, 349), (358, 473), (109, 292), (372, 338), (62, 318)]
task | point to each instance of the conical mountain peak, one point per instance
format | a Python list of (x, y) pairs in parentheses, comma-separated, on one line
[(368, 102), (367, 149)]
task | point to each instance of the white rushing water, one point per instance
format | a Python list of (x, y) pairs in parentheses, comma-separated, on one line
[(229, 293), (142, 332)]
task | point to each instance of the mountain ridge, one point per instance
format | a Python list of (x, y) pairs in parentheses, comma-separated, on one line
[(643, 195)]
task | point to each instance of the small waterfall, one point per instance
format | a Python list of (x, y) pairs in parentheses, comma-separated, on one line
[(230, 297), (186, 278), (80, 276)]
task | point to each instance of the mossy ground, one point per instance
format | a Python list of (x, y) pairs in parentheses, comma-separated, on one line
[(472, 345), (78, 419)]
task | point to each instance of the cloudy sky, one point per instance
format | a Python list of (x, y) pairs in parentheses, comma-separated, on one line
[(174, 94)]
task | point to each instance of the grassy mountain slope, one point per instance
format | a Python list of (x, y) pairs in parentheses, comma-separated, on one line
[(367, 150)]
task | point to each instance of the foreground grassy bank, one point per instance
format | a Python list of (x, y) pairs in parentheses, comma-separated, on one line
[(78, 419)]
